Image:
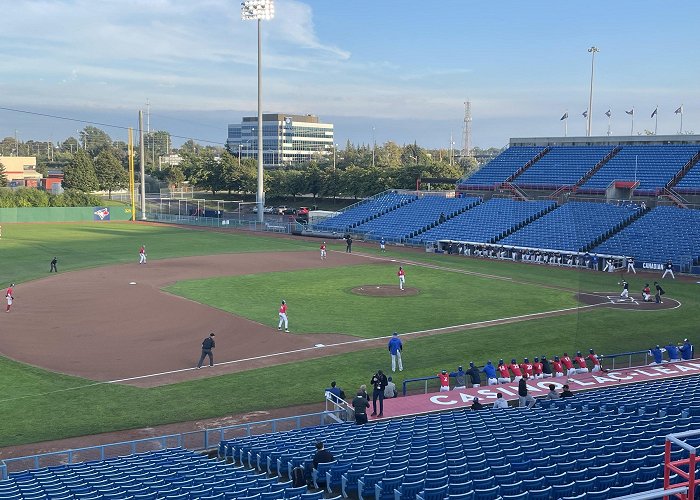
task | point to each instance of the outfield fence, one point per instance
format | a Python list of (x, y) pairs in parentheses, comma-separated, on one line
[(205, 439)]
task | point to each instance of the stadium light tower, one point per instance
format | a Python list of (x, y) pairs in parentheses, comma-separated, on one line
[(259, 10), (592, 50)]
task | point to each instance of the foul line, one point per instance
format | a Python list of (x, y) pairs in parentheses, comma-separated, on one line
[(521, 317)]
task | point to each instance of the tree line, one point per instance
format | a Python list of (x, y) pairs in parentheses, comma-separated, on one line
[(93, 161)]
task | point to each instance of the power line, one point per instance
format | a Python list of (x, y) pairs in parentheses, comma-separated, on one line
[(89, 122)]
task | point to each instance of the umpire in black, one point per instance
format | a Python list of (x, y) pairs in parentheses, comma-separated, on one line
[(207, 345)]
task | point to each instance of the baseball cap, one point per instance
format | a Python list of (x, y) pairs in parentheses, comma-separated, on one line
[(444, 371), (459, 368), (476, 399), (212, 334)]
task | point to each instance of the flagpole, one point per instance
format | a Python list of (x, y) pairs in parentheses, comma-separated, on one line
[(681, 118), (608, 124), (592, 50), (632, 131), (656, 123)]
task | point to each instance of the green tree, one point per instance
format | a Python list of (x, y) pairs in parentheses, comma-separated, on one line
[(95, 140), (110, 172), (80, 174), (3, 176), (174, 175)]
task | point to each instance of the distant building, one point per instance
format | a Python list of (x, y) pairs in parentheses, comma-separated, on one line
[(287, 139), (21, 171)]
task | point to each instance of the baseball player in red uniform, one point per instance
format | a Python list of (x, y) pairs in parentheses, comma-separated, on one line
[(526, 367), (568, 364), (517, 373), (142, 254), (581, 362), (444, 381), (323, 250), (557, 367), (9, 297), (283, 317), (537, 368), (503, 373), (594, 359), (402, 277)]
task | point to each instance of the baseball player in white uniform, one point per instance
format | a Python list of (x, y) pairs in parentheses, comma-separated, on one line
[(283, 317), (402, 277)]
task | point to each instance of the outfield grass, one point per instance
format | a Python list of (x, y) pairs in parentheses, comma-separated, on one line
[(321, 301), (27, 249), (37, 405)]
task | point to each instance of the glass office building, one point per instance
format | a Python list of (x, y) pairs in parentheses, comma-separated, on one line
[(287, 139)]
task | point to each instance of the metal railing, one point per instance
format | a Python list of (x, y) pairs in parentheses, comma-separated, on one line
[(685, 468), (200, 440)]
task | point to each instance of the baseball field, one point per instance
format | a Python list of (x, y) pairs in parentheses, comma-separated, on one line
[(108, 344)]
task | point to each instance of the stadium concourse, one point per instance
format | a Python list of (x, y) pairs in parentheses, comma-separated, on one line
[(579, 202)]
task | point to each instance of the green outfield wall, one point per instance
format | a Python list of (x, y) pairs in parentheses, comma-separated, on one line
[(65, 214)]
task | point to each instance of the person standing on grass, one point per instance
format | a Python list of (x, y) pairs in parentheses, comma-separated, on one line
[(283, 317), (142, 254), (348, 244), (53, 265), (207, 345), (9, 296), (382, 244), (323, 250), (395, 347)]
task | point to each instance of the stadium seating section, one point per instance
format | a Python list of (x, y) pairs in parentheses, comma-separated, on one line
[(500, 168), (366, 210), (652, 166), (487, 221), (168, 474), (605, 443), (664, 233), (562, 165), (690, 183), (415, 216), (572, 227)]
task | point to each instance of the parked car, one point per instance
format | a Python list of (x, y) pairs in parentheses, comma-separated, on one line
[(303, 214), (266, 210), (283, 210)]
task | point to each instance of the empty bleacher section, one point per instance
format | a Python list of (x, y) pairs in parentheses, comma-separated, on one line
[(607, 441), (653, 166), (173, 473), (573, 227), (690, 182), (500, 168), (414, 217), (365, 210), (561, 166), (487, 221), (662, 234)]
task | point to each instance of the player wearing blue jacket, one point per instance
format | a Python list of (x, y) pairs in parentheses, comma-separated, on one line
[(686, 350), (395, 347), (672, 351), (657, 354), (490, 372)]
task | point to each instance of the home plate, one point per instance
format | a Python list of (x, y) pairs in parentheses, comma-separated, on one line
[(319, 345), (132, 282)]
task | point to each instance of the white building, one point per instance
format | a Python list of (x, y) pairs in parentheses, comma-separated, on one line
[(287, 139)]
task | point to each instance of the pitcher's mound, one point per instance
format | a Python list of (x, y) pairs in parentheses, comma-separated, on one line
[(384, 290)]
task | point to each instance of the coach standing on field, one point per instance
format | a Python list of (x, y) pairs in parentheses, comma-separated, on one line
[(207, 345)]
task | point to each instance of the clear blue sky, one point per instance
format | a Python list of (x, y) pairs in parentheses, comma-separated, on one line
[(404, 68)]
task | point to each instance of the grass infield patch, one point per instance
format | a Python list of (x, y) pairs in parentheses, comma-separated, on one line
[(322, 301)]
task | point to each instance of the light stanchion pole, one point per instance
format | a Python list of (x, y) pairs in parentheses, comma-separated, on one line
[(593, 51), (258, 10), (132, 195)]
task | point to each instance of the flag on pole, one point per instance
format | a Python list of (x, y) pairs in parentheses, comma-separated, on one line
[(679, 110), (608, 113), (653, 113), (630, 112), (564, 116), (585, 114)]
